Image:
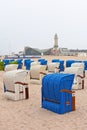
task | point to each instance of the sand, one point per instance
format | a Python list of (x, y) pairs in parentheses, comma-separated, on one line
[(28, 114)]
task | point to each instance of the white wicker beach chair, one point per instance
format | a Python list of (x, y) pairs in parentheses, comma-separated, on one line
[(36, 73), (78, 79), (35, 63), (11, 67), (53, 67), (79, 65), (16, 84)]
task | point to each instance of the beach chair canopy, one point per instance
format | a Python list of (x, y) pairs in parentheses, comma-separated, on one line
[(53, 67), (10, 67), (35, 63), (42, 61), (69, 62), (20, 63), (27, 63), (6, 61), (78, 64), (55, 60), (78, 78)]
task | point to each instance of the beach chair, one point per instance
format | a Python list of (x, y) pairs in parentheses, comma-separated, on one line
[(79, 64), (20, 63), (79, 77), (35, 63), (61, 64), (57, 94), (16, 84), (27, 64), (53, 67), (11, 67), (36, 73), (6, 62)]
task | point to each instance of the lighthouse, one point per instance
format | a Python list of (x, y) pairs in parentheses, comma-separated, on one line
[(55, 48), (55, 41)]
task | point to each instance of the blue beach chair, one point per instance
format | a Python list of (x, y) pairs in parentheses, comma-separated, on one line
[(57, 94)]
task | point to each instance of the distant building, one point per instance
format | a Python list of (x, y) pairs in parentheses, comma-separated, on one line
[(48, 51), (66, 52), (31, 51), (82, 54)]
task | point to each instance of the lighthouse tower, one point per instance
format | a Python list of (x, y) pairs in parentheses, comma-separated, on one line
[(55, 48), (55, 41)]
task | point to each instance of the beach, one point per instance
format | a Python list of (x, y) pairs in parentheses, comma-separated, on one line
[(28, 114)]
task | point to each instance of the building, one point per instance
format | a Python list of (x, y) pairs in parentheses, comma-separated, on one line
[(31, 51)]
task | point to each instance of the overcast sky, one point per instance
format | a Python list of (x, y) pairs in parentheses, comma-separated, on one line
[(34, 23)]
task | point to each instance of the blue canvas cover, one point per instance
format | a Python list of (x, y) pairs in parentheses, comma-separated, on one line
[(6, 62), (19, 63), (52, 97), (85, 65), (27, 63), (55, 60), (61, 67), (69, 62), (42, 61)]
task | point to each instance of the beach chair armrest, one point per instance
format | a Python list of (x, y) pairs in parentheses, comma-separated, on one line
[(67, 91), (57, 67), (69, 101), (43, 73), (80, 76), (21, 83)]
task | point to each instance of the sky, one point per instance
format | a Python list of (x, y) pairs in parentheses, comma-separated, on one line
[(34, 23)]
